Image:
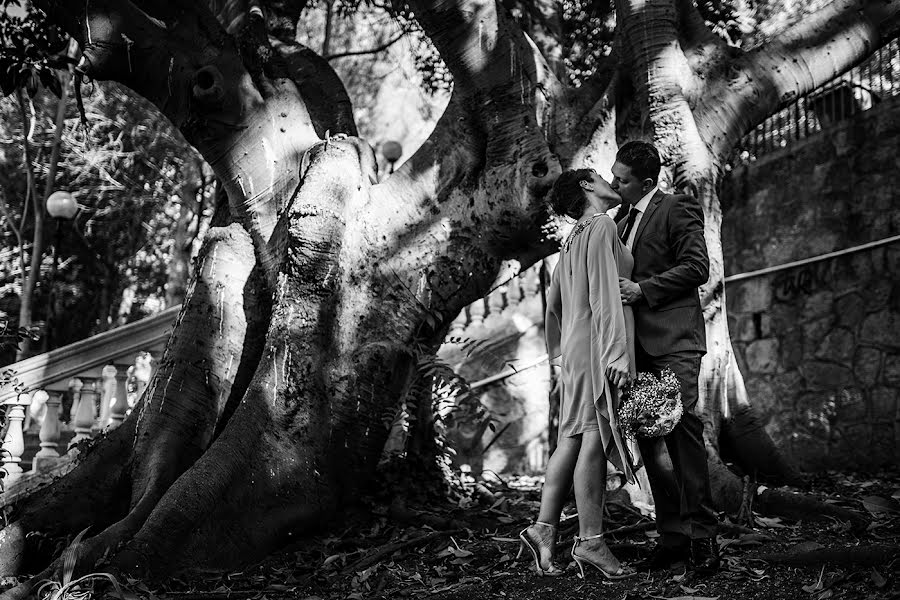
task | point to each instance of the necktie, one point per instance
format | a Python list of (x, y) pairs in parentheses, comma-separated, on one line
[(629, 223)]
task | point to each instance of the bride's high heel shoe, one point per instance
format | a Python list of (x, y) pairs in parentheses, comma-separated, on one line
[(536, 543), (602, 553)]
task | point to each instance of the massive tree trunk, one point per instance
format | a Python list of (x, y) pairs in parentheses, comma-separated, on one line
[(318, 290)]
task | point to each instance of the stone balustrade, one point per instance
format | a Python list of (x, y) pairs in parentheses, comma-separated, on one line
[(97, 404), (507, 296)]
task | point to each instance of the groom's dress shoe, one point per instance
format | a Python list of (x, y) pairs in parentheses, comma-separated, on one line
[(705, 556), (664, 557)]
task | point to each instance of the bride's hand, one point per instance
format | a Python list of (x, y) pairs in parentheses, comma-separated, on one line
[(619, 372)]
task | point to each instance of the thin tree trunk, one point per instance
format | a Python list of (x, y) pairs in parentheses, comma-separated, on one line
[(190, 193), (32, 276), (60, 125)]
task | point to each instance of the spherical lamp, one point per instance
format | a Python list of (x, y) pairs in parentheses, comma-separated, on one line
[(392, 151), (61, 205)]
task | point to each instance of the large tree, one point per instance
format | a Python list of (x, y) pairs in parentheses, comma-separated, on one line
[(318, 289)]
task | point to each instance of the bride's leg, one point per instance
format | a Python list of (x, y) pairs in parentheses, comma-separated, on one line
[(590, 493), (590, 484), (558, 480), (540, 536)]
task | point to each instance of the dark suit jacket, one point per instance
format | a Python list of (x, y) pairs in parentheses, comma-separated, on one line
[(670, 263)]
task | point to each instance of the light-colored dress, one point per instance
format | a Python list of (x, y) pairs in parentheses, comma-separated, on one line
[(589, 327)]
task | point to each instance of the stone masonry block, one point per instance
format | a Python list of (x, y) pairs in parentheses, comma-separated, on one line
[(850, 309), (814, 333), (753, 295), (762, 356), (892, 258), (892, 369), (825, 376), (762, 394), (791, 343), (852, 407), (877, 294), (881, 329), (837, 346), (884, 403), (867, 365), (787, 385), (817, 305)]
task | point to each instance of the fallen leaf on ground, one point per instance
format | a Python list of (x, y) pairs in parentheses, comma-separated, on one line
[(818, 585), (805, 547), (686, 597), (877, 579), (771, 522), (877, 504)]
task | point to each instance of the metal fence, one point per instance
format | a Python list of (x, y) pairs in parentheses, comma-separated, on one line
[(858, 90)]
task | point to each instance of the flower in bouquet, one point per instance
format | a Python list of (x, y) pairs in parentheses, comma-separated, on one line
[(651, 407)]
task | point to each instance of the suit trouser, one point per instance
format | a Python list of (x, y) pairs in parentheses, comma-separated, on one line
[(676, 463)]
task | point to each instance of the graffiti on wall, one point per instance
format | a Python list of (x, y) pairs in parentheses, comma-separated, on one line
[(802, 281)]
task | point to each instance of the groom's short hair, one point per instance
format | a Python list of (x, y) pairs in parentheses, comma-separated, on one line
[(642, 158)]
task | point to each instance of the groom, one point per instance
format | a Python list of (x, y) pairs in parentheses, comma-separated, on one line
[(665, 235)]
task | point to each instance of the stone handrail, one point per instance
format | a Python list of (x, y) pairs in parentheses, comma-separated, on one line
[(95, 352), (102, 393)]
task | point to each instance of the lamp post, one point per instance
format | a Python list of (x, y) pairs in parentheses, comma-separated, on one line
[(392, 151), (62, 207)]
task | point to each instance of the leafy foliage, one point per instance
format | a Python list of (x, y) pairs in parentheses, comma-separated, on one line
[(128, 170), (28, 43)]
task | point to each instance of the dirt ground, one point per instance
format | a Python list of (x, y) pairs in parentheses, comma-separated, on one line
[(468, 553)]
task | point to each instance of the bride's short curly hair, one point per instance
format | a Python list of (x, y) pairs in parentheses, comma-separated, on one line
[(567, 198)]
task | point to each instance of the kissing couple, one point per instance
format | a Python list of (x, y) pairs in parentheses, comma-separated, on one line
[(624, 299)]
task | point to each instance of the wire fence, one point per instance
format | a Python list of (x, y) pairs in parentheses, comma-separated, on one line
[(861, 88)]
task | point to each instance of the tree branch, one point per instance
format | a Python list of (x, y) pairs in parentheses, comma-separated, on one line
[(322, 90), (375, 50), (541, 21), (486, 51), (663, 82), (693, 26), (816, 50)]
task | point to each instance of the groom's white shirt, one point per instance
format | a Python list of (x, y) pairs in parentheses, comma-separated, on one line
[(641, 206)]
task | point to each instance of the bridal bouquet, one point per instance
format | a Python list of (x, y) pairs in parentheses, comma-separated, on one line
[(651, 407)]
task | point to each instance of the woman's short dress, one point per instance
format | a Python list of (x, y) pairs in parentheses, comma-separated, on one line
[(588, 327)]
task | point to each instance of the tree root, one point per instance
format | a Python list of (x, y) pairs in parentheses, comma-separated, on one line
[(728, 495), (744, 439), (93, 493), (803, 507), (401, 513), (388, 549), (863, 556)]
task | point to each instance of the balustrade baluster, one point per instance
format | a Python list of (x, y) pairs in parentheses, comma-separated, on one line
[(476, 312), (119, 408), (14, 440), (93, 391), (140, 373), (82, 412), (48, 455), (495, 303), (108, 395), (513, 292), (458, 326), (531, 281)]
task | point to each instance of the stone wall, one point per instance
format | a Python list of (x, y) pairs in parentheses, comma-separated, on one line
[(819, 345)]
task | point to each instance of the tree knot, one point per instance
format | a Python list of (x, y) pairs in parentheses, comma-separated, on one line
[(208, 84)]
